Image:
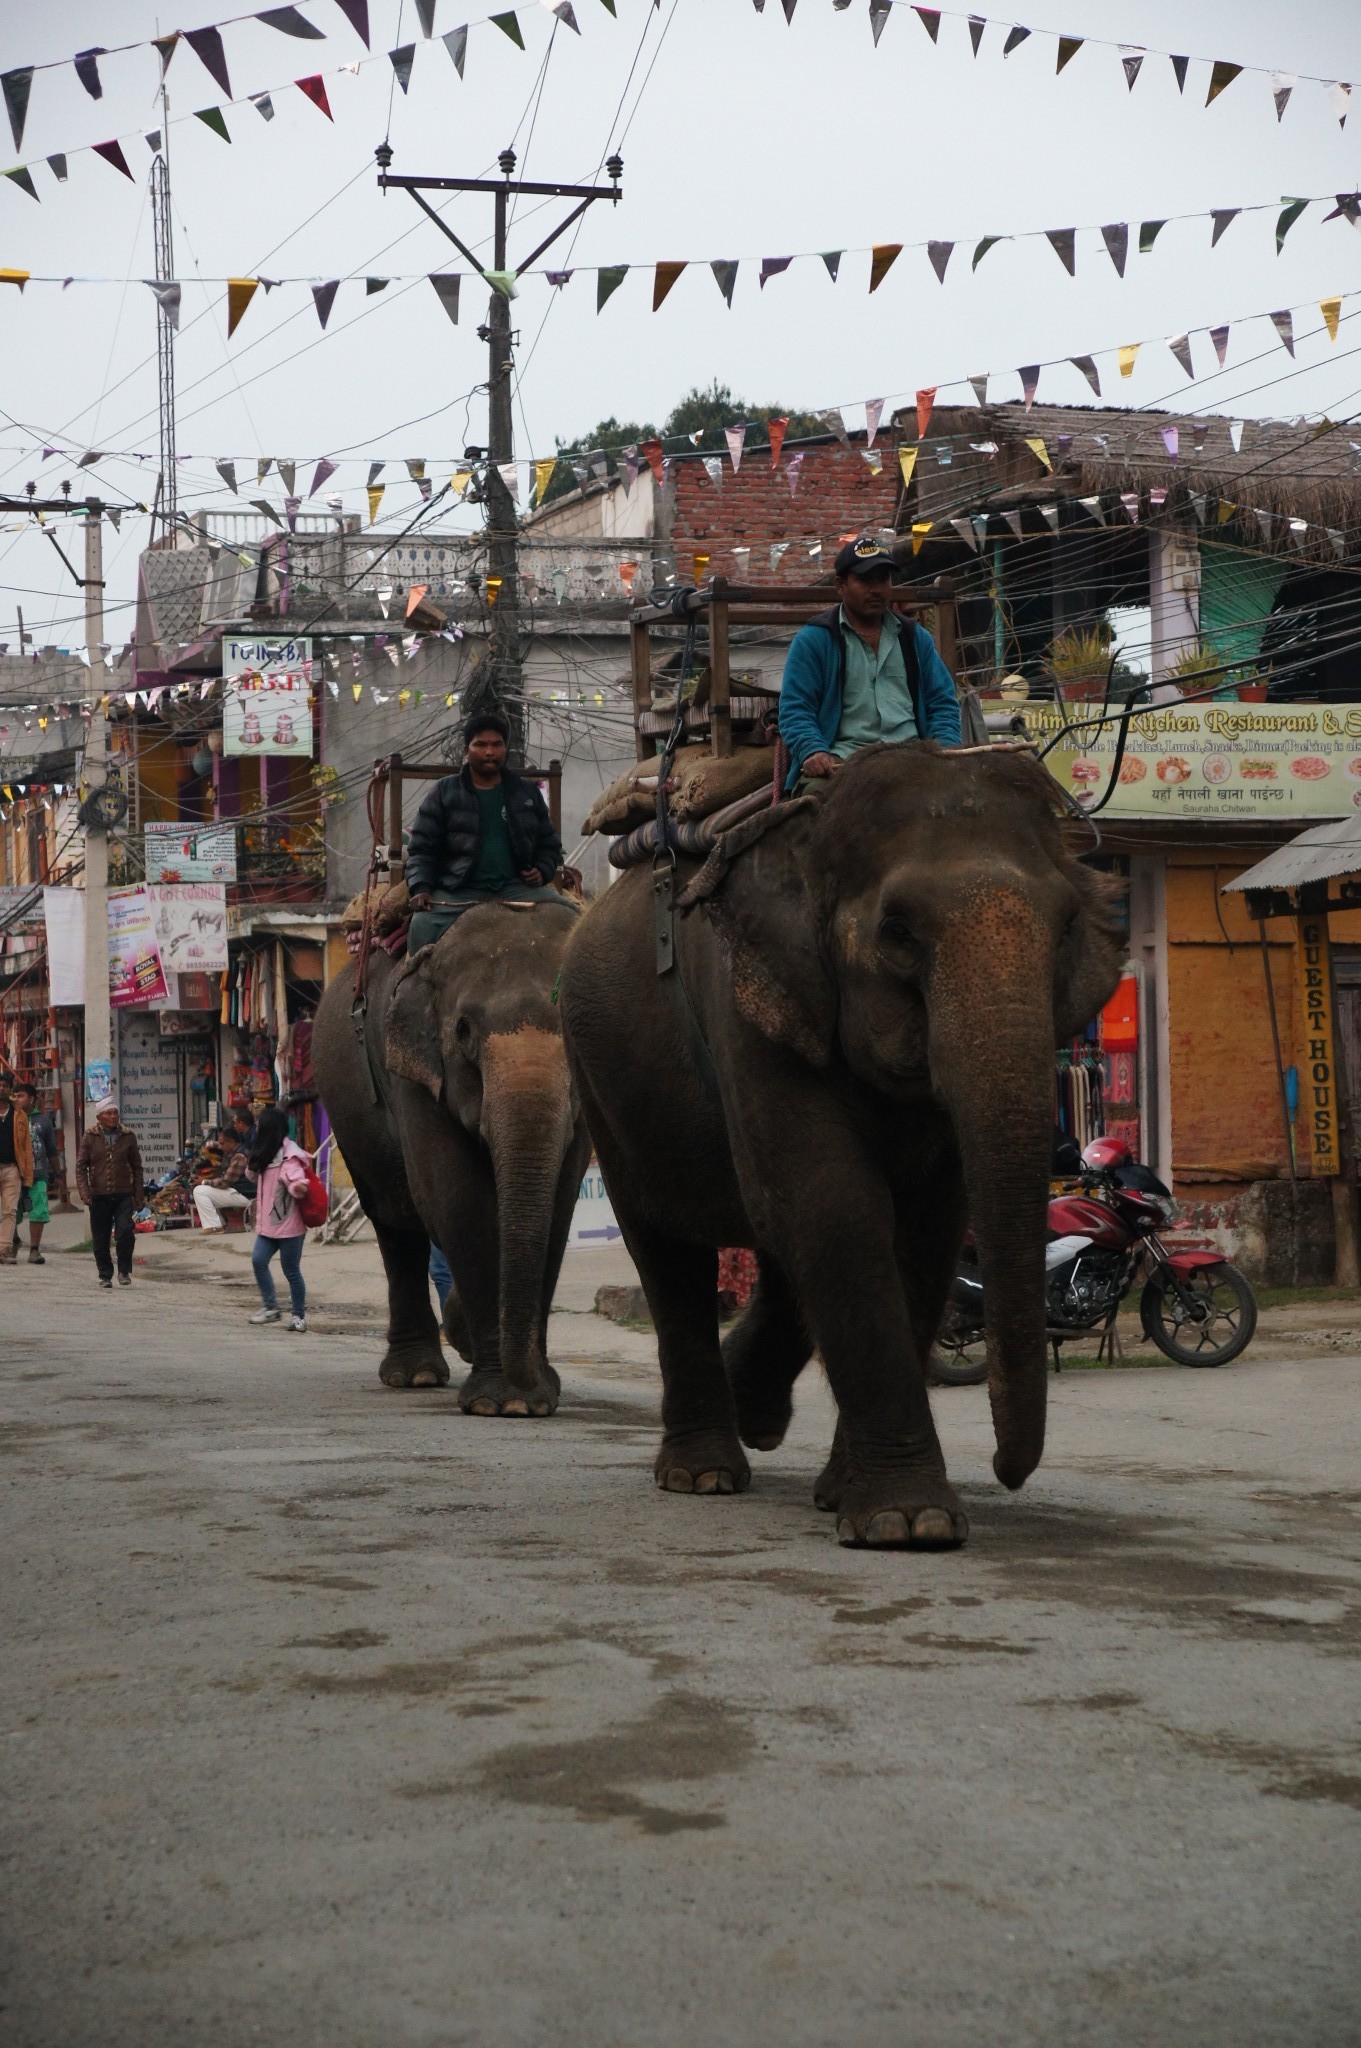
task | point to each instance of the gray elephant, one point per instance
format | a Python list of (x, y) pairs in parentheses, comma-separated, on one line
[(854, 1050), (456, 1117)]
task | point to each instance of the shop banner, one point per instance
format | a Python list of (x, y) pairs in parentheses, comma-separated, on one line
[(1318, 1082), (191, 927), (1211, 760), (266, 696), (136, 976), (149, 1092), (190, 853), (64, 916)]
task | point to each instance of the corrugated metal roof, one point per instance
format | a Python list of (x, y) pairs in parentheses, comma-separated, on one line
[(1316, 856)]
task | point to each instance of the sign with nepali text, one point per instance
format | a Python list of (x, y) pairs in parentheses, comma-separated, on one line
[(190, 853), (1209, 760), (136, 976), (1318, 1073), (266, 695)]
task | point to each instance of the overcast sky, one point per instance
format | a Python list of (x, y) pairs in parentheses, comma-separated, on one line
[(746, 137)]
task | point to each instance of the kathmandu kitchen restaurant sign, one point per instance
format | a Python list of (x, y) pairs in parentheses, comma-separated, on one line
[(266, 695), (1210, 760)]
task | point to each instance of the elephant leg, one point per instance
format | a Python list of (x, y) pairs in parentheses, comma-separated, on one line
[(700, 1452), (564, 1203), (763, 1355), (469, 1219), (456, 1326), (413, 1357)]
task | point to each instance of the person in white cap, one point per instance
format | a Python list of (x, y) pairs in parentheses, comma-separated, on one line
[(109, 1182)]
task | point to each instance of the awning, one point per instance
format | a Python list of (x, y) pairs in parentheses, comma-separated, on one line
[(1318, 855)]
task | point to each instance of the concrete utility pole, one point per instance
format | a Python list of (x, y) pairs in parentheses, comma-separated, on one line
[(502, 675), (98, 1030)]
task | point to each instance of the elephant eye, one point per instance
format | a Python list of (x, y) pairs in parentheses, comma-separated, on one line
[(463, 1031), (896, 930)]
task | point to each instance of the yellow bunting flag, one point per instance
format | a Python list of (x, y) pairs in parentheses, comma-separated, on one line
[(1125, 357), (1226, 511), (375, 500), (701, 564), (882, 258), (358, 689), (403, 698), (920, 529), (493, 588), (907, 462), (1038, 450), (1330, 309), (1221, 75), (240, 292), (543, 476), (665, 277), (19, 277), (449, 700), (459, 481)]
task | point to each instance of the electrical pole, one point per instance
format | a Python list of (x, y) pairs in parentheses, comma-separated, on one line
[(98, 1031), (167, 491), (501, 676)]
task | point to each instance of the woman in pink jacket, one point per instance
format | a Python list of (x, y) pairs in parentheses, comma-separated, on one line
[(280, 1168)]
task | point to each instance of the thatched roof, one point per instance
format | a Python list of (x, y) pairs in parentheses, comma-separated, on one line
[(1291, 469)]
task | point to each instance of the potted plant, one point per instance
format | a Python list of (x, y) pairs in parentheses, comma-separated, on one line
[(1080, 663)]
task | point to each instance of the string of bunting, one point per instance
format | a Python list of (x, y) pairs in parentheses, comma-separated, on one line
[(207, 45), (1132, 55)]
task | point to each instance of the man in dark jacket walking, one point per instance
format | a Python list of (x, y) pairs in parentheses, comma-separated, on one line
[(480, 834), (109, 1183), (858, 675)]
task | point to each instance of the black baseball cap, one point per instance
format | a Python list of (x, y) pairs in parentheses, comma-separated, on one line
[(864, 557)]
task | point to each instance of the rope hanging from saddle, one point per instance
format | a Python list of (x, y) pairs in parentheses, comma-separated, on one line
[(377, 790), (664, 858)]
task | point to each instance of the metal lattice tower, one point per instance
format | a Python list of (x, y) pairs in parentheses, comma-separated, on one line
[(165, 342)]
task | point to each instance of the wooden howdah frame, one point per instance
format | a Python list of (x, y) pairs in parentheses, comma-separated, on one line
[(723, 605)]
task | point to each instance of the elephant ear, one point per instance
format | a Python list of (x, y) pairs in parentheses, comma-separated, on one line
[(756, 889), (411, 1040), (1091, 952)]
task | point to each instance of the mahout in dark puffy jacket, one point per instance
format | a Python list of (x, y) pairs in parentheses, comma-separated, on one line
[(446, 837)]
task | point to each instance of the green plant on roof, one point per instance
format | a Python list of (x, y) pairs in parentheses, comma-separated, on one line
[(1079, 654)]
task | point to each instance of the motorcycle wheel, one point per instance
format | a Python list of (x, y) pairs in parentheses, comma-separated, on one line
[(1219, 1324), (958, 1365)]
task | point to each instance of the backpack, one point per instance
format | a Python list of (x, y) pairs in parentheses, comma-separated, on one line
[(313, 1205)]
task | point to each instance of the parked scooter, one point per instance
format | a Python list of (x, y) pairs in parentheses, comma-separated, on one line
[(1195, 1306)]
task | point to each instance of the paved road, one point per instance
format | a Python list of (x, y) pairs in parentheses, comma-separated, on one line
[(333, 1717)]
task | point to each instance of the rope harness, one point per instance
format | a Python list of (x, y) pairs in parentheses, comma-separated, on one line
[(664, 854)]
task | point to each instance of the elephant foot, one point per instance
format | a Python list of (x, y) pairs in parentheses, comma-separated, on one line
[(707, 1461), (910, 1511), (489, 1392), (831, 1483), (414, 1366)]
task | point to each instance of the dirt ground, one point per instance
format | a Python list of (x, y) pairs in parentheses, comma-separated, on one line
[(333, 1716)]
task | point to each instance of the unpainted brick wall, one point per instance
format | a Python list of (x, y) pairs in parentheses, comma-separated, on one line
[(838, 494)]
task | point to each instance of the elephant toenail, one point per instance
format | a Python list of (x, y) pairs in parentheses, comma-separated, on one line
[(678, 1480), (714, 1482), (846, 1531), (935, 1527), (889, 1526), (484, 1406), (425, 1379)]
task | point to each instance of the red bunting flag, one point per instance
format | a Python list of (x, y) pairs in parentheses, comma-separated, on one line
[(778, 429), (112, 153), (653, 451), (315, 88), (925, 400)]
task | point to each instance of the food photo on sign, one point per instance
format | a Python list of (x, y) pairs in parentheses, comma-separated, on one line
[(1303, 759), (266, 696)]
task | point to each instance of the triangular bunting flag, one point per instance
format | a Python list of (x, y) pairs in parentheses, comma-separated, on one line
[(778, 552), (792, 471), (415, 467), (1125, 357), (212, 117), (977, 24), (907, 462), (509, 26), (206, 44), (777, 429), (788, 5), (1132, 58), (1285, 327), (375, 471), (1263, 524), (16, 86), (1172, 441), (929, 17), (565, 13), (1226, 510), (1063, 242), (263, 105), (773, 266), (57, 165), (835, 424), (1088, 368), (1220, 337), (882, 258), (880, 11), (456, 43), (1198, 503), (653, 451), (1116, 238), (1179, 65), (446, 291), (607, 282), (1050, 515), (23, 178), (1030, 383), (315, 89), (1149, 232), (940, 254), (1221, 217), (288, 471), (112, 153), (1283, 83), (1180, 345), (735, 437), (832, 258), (356, 12), (325, 468), (1236, 435), (289, 22), (1013, 520), (401, 61), (509, 473), (920, 529), (323, 298), (1290, 213), (1037, 448), (980, 388), (926, 399), (227, 472), (1068, 49), (502, 281), (725, 276), (629, 461), (263, 506), (1130, 501), (87, 71), (1221, 75), (1014, 40), (663, 279), (240, 292), (543, 476), (1331, 310), (375, 498), (164, 47), (874, 412), (425, 13), (964, 528), (1093, 505), (713, 469)]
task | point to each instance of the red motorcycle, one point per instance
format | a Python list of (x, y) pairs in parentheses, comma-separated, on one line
[(1195, 1306)]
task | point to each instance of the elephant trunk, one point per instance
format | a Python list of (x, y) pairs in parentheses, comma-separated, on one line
[(992, 1062), (527, 1125)]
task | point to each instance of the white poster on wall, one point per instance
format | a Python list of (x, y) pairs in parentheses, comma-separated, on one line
[(190, 853), (190, 921), (148, 1090), (266, 695), (64, 915)]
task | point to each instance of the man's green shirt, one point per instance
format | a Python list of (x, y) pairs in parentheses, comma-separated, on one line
[(876, 703), (495, 862)]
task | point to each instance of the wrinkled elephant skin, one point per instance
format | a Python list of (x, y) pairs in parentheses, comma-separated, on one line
[(854, 1053), (455, 1114)]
